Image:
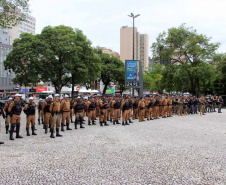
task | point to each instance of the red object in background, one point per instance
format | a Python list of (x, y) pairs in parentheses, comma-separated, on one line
[(40, 89), (77, 89)]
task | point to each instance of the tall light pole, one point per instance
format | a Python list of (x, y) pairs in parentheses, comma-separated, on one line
[(134, 17)]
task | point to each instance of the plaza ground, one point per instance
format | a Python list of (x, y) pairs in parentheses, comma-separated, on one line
[(177, 150)]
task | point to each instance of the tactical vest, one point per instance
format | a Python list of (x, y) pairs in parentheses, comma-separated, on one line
[(17, 108), (135, 105), (71, 105), (117, 105), (105, 106), (32, 109), (93, 105), (126, 106), (40, 105), (157, 102), (47, 107), (151, 104), (130, 104), (80, 106)]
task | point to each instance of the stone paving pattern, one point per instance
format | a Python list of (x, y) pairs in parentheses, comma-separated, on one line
[(177, 150)]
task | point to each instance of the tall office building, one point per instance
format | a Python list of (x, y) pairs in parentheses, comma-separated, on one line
[(26, 26), (7, 36), (141, 46)]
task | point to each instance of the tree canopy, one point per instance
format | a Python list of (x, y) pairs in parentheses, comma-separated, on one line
[(191, 53), (12, 11)]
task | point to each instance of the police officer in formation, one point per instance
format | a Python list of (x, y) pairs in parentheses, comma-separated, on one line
[(54, 113)]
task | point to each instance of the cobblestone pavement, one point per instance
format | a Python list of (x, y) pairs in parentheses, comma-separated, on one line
[(177, 150)]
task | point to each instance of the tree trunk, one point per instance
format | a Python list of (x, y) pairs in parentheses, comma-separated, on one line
[(73, 85), (105, 88)]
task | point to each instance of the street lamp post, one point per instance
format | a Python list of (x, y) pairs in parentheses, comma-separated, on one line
[(134, 17)]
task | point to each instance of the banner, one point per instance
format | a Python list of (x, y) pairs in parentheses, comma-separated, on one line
[(133, 77), (41, 89)]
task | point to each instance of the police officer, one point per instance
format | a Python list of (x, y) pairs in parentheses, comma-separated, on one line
[(170, 104), (65, 107), (116, 105), (48, 119), (220, 102), (210, 102), (29, 110), (151, 108), (79, 108), (214, 103), (156, 107), (40, 111), (55, 111), (202, 102), (8, 118), (15, 109), (180, 103), (103, 111), (141, 106), (91, 106), (135, 107), (3, 115), (196, 104), (164, 106), (71, 108), (125, 106)]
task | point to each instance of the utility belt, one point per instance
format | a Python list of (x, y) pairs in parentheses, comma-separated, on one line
[(66, 111), (17, 113), (56, 112), (31, 114), (79, 110), (92, 109), (156, 105), (141, 108), (135, 107)]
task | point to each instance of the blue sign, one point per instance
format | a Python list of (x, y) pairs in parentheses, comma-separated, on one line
[(23, 90), (132, 70)]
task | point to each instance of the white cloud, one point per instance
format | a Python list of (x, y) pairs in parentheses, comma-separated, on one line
[(101, 20)]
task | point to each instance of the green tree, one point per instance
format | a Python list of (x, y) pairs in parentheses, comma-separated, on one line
[(111, 68), (184, 46), (24, 60), (12, 12)]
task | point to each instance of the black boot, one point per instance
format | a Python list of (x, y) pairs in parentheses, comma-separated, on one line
[(57, 132), (114, 122), (46, 129), (108, 119), (52, 135), (89, 123), (39, 122), (76, 122), (11, 131), (101, 124), (44, 126), (7, 129), (18, 131), (130, 121), (72, 121), (62, 127), (105, 124), (42, 121), (33, 131), (81, 121), (28, 133), (1, 143), (68, 128), (123, 123), (117, 122), (127, 123), (93, 123), (111, 120)]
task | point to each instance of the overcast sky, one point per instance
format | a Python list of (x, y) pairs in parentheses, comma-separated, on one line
[(101, 20)]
